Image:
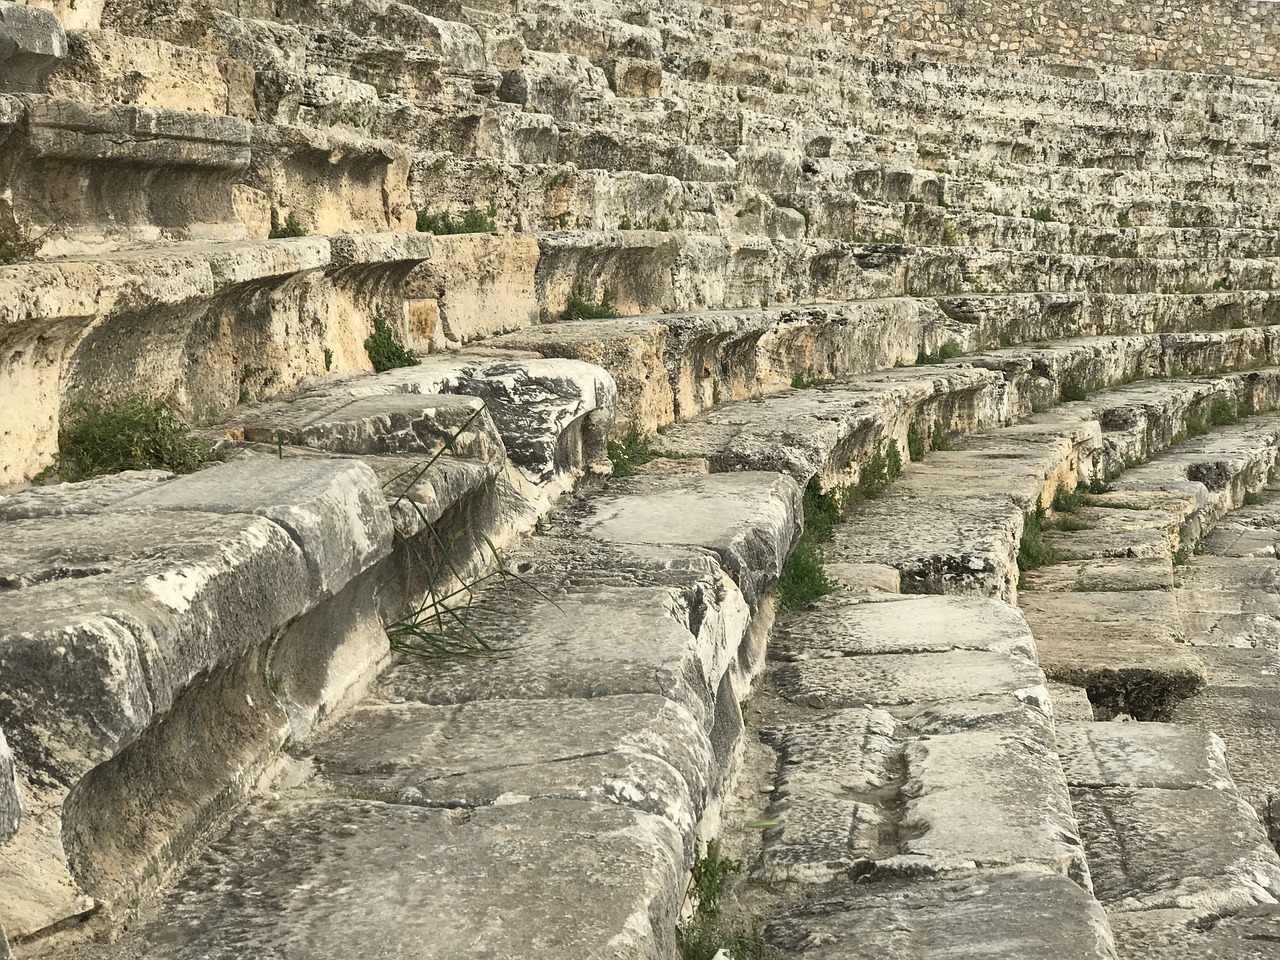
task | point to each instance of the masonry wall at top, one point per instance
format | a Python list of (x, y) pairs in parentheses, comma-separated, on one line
[(1221, 36)]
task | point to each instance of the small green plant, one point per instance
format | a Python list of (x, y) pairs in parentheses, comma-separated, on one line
[(328, 359), (1252, 498), (806, 380), (474, 220), (948, 351), (1198, 425), (950, 235), (629, 452), (1066, 500), (804, 577), (916, 199), (938, 439), (1098, 483), (581, 307), (131, 434), (1222, 412), (881, 469), (562, 221), (1177, 223), (663, 225), (915, 443), (1123, 220), (1073, 388), (626, 224), (1067, 522), (707, 931), (1033, 551), (289, 228), (18, 245), (384, 348), (715, 393), (1041, 214), (1220, 283)]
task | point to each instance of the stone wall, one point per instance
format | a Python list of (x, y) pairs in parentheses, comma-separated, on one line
[(1221, 36)]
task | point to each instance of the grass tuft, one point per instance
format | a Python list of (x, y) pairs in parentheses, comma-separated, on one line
[(131, 434), (948, 351), (629, 452), (384, 348), (1033, 551), (707, 931), (474, 220), (915, 443), (938, 439), (1066, 500), (289, 228), (582, 307), (804, 577)]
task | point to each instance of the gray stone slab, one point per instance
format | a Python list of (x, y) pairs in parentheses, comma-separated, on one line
[(941, 543), (91, 496), (1251, 934), (1107, 575), (335, 510), (1076, 545), (1165, 755), (639, 751), (10, 797), (1231, 602), (1193, 849), (395, 423), (32, 44), (749, 520), (1124, 647), (841, 627), (859, 794), (1246, 718), (543, 879), (590, 642), (992, 915), (903, 679), (1069, 703)]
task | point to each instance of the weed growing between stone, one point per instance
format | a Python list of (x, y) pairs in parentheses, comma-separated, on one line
[(806, 380), (1074, 388), (438, 626), (18, 245), (1066, 500), (384, 348), (915, 443), (474, 220), (1252, 499), (1033, 552), (131, 434), (629, 452), (582, 307), (804, 577), (1223, 413), (939, 440), (948, 351), (707, 931), (289, 228)]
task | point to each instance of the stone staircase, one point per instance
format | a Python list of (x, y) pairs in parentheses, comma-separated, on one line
[(836, 259)]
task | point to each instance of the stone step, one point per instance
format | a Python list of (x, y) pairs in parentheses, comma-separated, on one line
[(632, 746), (1178, 858)]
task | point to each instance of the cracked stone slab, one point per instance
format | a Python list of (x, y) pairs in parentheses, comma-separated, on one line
[(590, 642), (422, 424), (1124, 647), (1110, 575), (335, 510), (836, 627), (1246, 718), (643, 752), (1193, 849), (89, 496), (1077, 545), (1230, 602), (542, 879), (1163, 755), (941, 544), (904, 679), (992, 915), (1250, 934), (859, 793), (749, 520)]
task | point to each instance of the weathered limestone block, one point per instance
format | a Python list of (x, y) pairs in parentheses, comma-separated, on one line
[(392, 423), (32, 44), (65, 499), (555, 854), (334, 510), (1192, 849), (986, 916), (629, 77), (748, 520), (1142, 755), (1112, 574), (642, 752), (1125, 648), (1248, 934), (833, 627)]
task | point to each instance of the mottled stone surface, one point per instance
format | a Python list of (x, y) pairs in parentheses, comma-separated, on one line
[(1163, 755)]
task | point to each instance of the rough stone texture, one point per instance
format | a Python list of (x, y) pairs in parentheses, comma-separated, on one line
[(986, 916), (1125, 648), (1191, 848), (748, 520), (1249, 934), (1108, 575), (335, 511), (10, 796), (31, 45), (404, 879), (1166, 756), (642, 752)]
